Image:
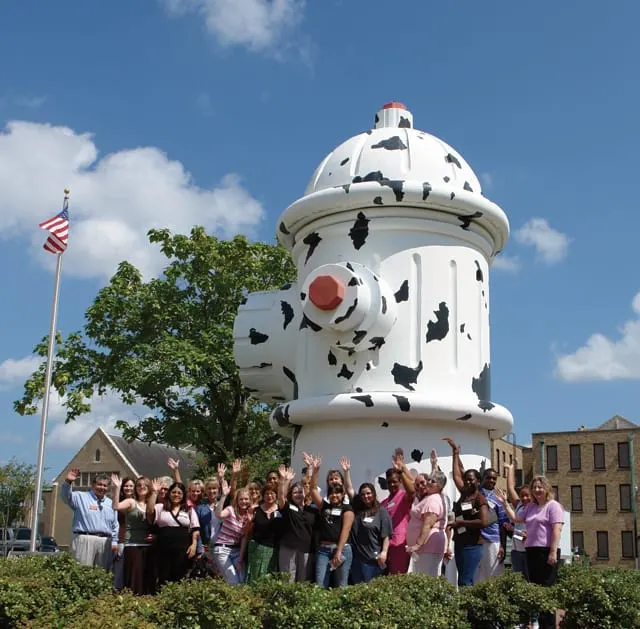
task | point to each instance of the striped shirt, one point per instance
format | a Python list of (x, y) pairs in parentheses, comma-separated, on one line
[(231, 530)]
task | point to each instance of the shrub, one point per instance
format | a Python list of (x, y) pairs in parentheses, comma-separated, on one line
[(295, 605), (410, 600), (504, 602), (598, 599), (207, 604)]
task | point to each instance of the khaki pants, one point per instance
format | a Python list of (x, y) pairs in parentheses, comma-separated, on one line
[(90, 550), (489, 565)]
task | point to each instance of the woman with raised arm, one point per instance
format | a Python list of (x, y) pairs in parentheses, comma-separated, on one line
[(426, 539), (206, 510), (261, 536), (225, 550), (519, 499), (398, 504), (370, 533), (335, 520), (296, 536), (471, 516), (126, 491), (544, 518), (138, 569), (178, 532)]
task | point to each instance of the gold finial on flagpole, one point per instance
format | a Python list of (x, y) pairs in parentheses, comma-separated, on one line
[(67, 192)]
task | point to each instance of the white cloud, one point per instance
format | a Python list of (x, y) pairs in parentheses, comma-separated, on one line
[(602, 358), (551, 245), (115, 200), (15, 371), (506, 263), (259, 25)]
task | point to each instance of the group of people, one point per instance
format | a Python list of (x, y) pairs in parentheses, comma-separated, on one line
[(332, 535)]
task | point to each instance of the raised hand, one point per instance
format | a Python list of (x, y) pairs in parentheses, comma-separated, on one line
[(398, 459), (433, 457), (236, 467), (115, 480), (345, 464), (317, 462), (222, 470), (308, 459), (173, 464), (452, 443), (282, 471), (155, 485), (289, 474), (72, 474), (500, 495)]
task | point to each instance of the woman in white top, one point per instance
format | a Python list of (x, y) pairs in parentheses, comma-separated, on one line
[(178, 532), (519, 499)]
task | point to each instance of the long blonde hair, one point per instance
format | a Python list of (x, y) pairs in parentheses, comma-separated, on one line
[(546, 485)]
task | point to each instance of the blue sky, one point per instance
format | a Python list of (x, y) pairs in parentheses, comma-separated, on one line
[(216, 112)]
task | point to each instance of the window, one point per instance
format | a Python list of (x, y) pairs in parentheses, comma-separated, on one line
[(577, 541), (598, 456), (86, 480), (576, 497), (498, 462), (575, 458), (602, 545), (511, 459), (601, 497), (625, 498), (556, 492), (96, 458), (552, 458), (623, 455), (627, 545)]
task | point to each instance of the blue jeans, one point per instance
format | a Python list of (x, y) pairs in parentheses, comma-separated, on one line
[(467, 560), (362, 571), (340, 574), (519, 563)]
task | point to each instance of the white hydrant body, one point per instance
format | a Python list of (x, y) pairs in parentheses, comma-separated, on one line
[(383, 341)]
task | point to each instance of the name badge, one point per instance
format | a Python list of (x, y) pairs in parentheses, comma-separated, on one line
[(336, 511), (518, 536), (367, 520), (93, 507), (462, 529), (391, 504), (491, 505), (466, 506), (293, 508), (277, 514)]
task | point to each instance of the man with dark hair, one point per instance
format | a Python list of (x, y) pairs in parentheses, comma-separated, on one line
[(494, 536), (95, 523)]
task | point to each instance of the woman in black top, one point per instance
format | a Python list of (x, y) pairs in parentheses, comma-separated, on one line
[(296, 533), (334, 526), (261, 537), (372, 528)]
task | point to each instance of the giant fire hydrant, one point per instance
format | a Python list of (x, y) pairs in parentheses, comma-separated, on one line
[(383, 341)]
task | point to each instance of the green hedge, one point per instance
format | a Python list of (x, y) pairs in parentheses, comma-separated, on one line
[(55, 592)]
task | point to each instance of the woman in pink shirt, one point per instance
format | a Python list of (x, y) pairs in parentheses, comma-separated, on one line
[(398, 504), (426, 539), (544, 518)]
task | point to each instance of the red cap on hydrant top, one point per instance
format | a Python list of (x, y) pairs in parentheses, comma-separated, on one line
[(326, 292), (393, 105)]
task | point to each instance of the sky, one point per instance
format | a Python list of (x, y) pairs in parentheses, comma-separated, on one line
[(174, 113)]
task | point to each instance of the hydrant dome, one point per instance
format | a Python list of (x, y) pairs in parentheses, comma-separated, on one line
[(398, 152)]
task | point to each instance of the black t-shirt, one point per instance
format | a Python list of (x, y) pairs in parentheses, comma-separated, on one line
[(367, 533), (330, 522), (468, 510), (297, 527), (266, 529)]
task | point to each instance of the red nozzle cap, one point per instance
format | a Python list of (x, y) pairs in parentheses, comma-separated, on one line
[(393, 105), (326, 292)]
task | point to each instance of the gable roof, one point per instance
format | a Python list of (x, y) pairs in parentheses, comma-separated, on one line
[(617, 422), (151, 459)]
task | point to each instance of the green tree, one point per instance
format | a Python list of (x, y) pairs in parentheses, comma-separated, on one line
[(17, 482), (168, 343)]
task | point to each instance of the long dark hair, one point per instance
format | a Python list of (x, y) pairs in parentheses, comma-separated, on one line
[(183, 503), (358, 505), (126, 480)]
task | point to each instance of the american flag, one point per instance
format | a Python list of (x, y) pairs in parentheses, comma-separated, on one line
[(58, 228)]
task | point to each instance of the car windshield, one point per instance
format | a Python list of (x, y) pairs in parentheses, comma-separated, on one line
[(23, 534)]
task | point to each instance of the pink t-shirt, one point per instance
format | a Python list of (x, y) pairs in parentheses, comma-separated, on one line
[(436, 542), (540, 521), (398, 507)]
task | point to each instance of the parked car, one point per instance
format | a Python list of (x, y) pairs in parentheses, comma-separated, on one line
[(47, 544)]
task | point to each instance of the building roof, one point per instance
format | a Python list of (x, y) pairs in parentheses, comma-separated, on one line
[(151, 459), (617, 422)]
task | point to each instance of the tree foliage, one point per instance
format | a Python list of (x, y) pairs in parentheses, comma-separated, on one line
[(167, 343), (17, 483)]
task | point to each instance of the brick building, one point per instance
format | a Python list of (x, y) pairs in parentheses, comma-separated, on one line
[(594, 474), (107, 454), (507, 453)]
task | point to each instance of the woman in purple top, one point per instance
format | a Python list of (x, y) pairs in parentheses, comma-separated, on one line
[(544, 518)]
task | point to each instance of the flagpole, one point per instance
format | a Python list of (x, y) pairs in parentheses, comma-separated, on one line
[(45, 401)]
